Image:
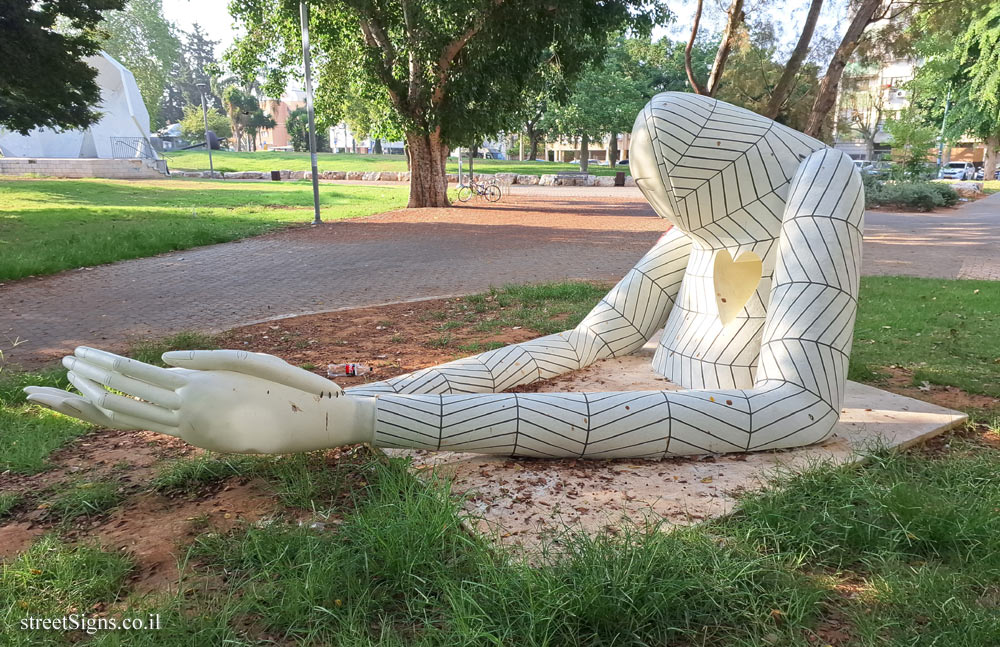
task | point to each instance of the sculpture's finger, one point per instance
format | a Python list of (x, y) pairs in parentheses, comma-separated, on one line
[(156, 395), (144, 412), (266, 367), (161, 377), (71, 405)]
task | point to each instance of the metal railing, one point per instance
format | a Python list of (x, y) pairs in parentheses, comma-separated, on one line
[(132, 147)]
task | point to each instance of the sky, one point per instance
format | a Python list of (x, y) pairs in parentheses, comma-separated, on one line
[(787, 15), (212, 15)]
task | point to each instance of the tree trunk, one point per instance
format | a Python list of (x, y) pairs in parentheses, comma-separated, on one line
[(613, 150), (378, 147), (736, 18), (990, 159), (870, 150), (698, 89), (428, 181), (827, 94), (534, 147), (784, 87), (584, 152)]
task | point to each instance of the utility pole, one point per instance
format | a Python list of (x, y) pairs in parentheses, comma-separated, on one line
[(944, 120), (208, 142), (307, 62)]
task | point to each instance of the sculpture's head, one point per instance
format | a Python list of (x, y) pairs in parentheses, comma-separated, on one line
[(718, 172)]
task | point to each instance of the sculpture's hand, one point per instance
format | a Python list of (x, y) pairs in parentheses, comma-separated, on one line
[(225, 400)]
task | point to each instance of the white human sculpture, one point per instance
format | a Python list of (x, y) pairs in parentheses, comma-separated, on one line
[(755, 286)]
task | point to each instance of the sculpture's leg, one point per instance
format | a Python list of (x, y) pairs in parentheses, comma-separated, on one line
[(620, 324), (800, 381)]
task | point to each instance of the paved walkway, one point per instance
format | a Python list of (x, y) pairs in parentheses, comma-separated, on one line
[(575, 233)]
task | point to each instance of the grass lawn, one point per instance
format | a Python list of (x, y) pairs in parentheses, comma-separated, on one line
[(51, 225), (900, 551), (225, 161)]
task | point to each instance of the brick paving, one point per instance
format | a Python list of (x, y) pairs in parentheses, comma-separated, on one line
[(537, 234)]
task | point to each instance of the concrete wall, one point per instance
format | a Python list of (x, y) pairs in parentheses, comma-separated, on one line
[(79, 168)]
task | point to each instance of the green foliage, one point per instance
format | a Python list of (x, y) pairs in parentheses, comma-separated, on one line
[(195, 65), (191, 474), (752, 73), (909, 195), (142, 40), (246, 117), (979, 48), (9, 501), (193, 124), (912, 138), (43, 79), (297, 126)]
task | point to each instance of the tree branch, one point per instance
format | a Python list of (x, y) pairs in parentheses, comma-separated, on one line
[(736, 17), (452, 50), (698, 89), (784, 87)]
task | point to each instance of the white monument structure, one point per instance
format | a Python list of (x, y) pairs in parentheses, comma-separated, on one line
[(755, 287), (122, 132)]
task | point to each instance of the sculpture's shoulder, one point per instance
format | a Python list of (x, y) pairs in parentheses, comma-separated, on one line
[(699, 130)]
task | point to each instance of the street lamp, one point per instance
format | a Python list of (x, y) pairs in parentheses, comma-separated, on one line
[(203, 88), (307, 64)]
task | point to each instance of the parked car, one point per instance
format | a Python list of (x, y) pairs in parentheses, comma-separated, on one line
[(957, 171), (981, 173)]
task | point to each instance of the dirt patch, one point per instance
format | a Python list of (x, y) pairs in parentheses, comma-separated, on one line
[(155, 529), (130, 456), (900, 381), (393, 339)]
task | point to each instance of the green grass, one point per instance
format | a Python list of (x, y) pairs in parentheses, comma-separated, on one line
[(53, 579), (9, 501), (194, 160), (546, 309), (84, 499), (151, 350), (47, 226), (946, 332)]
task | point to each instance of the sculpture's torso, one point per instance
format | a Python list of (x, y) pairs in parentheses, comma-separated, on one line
[(721, 174)]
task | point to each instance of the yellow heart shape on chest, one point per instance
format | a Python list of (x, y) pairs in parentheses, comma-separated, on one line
[(735, 282)]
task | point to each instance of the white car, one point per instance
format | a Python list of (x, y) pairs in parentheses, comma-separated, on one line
[(957, 171)]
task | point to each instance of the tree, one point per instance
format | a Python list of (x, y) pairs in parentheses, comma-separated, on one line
[(866, 12), (194, 66), (753, 72), (246, 117), (864, 106), (193, 124), (452, 70), (979, 54), (44, 81), (142, 40), (960, 46), (600, 103), (735, 18), (912, 138), (781, 91), (297, 126)]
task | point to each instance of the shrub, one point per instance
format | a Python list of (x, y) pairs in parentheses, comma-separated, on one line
[(917, 196)]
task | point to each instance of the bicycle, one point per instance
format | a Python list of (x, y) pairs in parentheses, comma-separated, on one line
[(489, 190)]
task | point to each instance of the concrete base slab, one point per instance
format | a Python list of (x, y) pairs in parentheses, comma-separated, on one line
[(524, 501)]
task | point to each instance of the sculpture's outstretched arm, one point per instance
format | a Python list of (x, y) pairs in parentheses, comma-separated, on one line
[(620, 324)]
